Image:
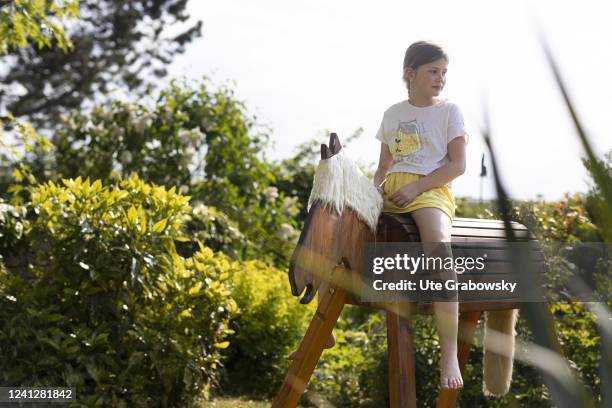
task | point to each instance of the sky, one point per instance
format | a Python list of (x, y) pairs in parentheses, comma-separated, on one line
[(308, 67)]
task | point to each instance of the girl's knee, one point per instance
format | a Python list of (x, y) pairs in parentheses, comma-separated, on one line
[(433, 224)]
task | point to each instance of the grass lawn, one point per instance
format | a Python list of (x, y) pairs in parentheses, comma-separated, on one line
[(236, 403), (229, 402)]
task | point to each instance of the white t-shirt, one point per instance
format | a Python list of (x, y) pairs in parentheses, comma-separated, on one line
[(418, 136)]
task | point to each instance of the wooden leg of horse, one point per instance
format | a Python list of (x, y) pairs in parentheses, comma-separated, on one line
[(468, 321), (400, 349), (310, 349)]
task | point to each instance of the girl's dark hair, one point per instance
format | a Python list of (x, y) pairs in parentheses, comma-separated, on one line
[(421, 53)]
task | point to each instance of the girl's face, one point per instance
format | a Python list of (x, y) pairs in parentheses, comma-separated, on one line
[(429, 79)]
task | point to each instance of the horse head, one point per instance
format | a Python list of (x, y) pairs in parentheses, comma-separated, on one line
[(343, 210)]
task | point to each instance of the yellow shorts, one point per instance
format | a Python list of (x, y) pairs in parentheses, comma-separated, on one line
[(439, 197)]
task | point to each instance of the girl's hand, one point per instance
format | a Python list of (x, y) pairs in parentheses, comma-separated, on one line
[(405, 195)]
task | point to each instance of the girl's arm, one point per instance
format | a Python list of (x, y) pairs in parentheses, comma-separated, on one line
[(384, 164), (450, 171)]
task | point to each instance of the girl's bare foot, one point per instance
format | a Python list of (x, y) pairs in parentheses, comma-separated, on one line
[(450, 375), (331, 342)]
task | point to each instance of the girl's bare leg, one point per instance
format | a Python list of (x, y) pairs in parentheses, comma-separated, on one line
[(435, 227)]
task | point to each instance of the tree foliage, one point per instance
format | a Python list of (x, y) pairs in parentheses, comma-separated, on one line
[(596, 203), (194, 137), (124, 44), (23, 21)]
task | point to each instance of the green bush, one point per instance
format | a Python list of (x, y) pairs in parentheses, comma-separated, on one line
[(270, 325), (581, 343), (216, 231), (11, 227), (354, 372), (106, 305)]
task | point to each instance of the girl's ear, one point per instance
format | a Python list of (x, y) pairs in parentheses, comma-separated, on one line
[(406, 75)]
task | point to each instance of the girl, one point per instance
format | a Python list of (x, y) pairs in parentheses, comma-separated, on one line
[(423, 143)]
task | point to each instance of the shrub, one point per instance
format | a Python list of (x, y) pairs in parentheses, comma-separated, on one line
[(354, 372), (106, 305), (11, 227), (216, 231), (270, 325)]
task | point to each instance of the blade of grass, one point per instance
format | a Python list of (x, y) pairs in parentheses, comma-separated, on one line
[(598, 171), (604, 182), (569, 392)]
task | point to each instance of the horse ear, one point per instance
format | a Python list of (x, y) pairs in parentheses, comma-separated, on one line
[(334, 143), (325, 152)]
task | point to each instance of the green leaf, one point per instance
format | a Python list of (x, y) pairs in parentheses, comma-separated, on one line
[(101, 339), (196, 289), (222, 345), (132, 215), (159, 226), (96, 186), (50, 342), (142, 217), (93, 371)]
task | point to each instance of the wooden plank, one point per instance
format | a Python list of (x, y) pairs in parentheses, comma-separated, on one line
[(493, 254), (465, 306), (463, 219), (427, 308), (401, 362), (487, 233), (503, 268), (310, 349), (467, 222), (461, 239), (466, 231), (486, 223)]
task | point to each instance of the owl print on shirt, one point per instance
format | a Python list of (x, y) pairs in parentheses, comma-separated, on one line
[(409, 142)]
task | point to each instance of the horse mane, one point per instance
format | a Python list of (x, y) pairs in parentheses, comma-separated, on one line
[(339, 182)]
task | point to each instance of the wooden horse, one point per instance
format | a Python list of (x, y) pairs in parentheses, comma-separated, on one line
[(344, 210)]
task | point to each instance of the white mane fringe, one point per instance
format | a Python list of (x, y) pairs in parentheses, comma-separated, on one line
[(339, 182)]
